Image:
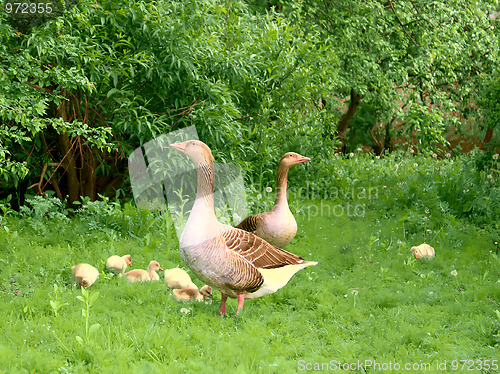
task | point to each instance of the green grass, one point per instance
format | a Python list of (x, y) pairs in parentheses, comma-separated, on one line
[(367, 299)]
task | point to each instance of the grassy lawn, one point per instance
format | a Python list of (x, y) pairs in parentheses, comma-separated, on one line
[(367, 299)]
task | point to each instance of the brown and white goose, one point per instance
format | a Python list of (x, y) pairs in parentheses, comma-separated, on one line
[(236, 262), (278, 226), (117, 264), (84, 275), (139, 275)]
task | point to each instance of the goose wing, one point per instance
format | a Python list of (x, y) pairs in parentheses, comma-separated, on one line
[(257, 251), (251, 223)]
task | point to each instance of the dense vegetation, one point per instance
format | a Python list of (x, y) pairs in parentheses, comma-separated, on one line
[(367, 299), (396, 103), (80, 92)]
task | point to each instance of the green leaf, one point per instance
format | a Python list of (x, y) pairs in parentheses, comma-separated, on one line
[(93, 329)]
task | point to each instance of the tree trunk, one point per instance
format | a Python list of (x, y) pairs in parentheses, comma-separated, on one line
[(488, 136), (346, 119), (69, 164), (68, 152), (87, 175)]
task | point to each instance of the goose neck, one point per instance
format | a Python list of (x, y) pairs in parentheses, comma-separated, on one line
[(281, 185), (204, 203)]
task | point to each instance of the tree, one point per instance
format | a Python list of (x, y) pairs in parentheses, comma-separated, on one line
[(415, 61), (82, 91)]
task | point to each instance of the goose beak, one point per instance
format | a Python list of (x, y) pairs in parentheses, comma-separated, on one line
[(179, 146), (302, 159)]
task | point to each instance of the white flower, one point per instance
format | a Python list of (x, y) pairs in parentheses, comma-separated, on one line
[(448, 155), (354, 292), (495, 156), (434, 155), (337, 155), (490, 176), (259, 196), (185, 310), (377, 157), (415, 164), (454, 273), (269, 189), (351, 154)]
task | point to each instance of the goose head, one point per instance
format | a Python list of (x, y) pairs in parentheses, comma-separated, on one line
[(290, 159), (128, 259), (206, 291), (154, 265), (196, 150)]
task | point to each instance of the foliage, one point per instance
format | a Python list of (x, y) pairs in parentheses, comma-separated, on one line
[(368, 297), (88, 299), (415, 62), (84, 90), (462, 186), (489, 98), (56, 302)]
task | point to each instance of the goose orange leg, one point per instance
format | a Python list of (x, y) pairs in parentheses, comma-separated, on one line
[(222, 308), (241, 300)]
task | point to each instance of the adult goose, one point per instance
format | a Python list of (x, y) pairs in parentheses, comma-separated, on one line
[(236, 262), (278, 226)]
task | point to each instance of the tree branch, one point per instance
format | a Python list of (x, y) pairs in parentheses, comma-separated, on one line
[(404, 29)]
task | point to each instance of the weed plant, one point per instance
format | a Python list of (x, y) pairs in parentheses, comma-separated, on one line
[(367, 299)]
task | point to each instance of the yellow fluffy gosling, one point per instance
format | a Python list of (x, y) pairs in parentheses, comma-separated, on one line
[(190, 294), (139, 275), (84, 274), (178, 278), (117, 264), (423, 251)]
